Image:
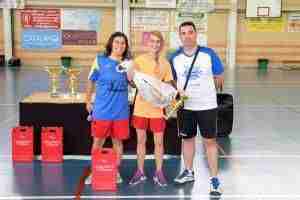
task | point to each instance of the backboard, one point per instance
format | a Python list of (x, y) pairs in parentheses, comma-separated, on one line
[(263, 8)]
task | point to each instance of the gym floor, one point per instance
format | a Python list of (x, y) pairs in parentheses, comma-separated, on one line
[(259, 160)]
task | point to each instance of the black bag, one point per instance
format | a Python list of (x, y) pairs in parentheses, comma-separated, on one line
[(225, 114), (2, 60)]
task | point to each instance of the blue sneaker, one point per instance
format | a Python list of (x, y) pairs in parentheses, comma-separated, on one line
[(137, 178), (160, 179), (185, 176), (215, 188)]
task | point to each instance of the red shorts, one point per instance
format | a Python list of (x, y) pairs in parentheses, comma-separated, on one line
[(155, 124), (117, 129)]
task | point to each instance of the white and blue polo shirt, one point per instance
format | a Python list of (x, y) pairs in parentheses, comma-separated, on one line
[(201, 89)]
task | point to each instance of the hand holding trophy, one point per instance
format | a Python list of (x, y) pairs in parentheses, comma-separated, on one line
[(174, 106), (54, 73)]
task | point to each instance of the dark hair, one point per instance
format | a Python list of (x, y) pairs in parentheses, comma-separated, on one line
[(188, 23), (108, 47)]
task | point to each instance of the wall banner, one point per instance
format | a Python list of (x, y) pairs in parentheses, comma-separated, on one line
[(265, 24), (199, 19), (145, 20), (196, 6), (18, 4), (294, 22), (81, 19), (76, 37), (41, 39), (160, 3), (41, 18)]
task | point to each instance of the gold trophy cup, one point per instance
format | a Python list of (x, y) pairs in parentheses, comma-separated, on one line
[(73, 74), (53, 73), (174, 106)]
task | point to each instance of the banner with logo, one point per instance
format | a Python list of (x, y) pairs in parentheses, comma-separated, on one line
[(199, 19), (265, 24), (160, 3), (41, 39), (19, 4), (294, 22), (81, 19), (76, 37), (146, 20), (196, 6), (41, 18)]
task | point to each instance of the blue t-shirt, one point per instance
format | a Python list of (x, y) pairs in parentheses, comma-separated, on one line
[(111, 100)]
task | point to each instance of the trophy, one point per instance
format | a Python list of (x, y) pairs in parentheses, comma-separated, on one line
[(174, 106), (73, 73), (54, 73)]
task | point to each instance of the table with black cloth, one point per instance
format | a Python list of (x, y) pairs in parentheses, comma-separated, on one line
[(40, 110)]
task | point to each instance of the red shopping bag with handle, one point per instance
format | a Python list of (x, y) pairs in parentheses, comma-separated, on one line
[(104, 169), (22, 143), (52, 144)]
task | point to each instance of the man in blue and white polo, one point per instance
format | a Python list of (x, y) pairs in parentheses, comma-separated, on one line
[(201, 106)]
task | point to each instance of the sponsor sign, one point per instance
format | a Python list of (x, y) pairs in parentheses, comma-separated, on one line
[(75, 37), (41, 18), (41, 39)]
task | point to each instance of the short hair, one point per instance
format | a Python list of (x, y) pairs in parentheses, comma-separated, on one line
[(187, 23), (108, 47)]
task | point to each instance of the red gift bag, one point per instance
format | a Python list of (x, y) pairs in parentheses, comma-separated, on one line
[(22, 143), (104, 169), (52, 144)]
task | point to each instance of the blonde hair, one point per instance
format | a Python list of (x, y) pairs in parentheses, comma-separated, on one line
[(159, 35)]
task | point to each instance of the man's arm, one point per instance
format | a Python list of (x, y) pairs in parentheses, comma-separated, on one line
[(218, 71), (219, 81)]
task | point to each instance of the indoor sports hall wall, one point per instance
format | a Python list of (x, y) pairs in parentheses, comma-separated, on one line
[(276, 43), (1, 34), (82, 55), (272, 39)]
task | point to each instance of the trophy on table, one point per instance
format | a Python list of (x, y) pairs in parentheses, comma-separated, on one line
[(73, 74), (54, 73)]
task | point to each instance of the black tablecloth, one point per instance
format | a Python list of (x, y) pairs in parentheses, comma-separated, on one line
[(76, 129)]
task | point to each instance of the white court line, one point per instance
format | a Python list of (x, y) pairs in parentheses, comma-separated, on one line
[(261, 156), (156, 197), (151, 157), (12, 117), (87, 157), (8, 104)]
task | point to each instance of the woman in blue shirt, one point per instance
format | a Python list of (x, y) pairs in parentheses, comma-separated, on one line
[(110, 107)]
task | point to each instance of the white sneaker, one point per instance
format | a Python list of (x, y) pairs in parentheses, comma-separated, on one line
[(119, 178), (88, 180), (184, 177)]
